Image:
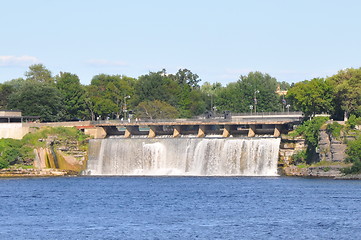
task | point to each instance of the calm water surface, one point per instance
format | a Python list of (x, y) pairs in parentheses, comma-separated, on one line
[(179, 208)]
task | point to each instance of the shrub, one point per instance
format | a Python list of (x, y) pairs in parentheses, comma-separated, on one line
[(334, 129), (3, 163), (353, 121), (354, 156), (299, 157)]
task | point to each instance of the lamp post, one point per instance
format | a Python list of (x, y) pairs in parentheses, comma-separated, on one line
[(211, 95), (251, 108), (288, 108), (255, 101), (125, 106)]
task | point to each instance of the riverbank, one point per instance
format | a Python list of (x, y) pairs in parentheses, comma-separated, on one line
[(30, 173), (332, 172)]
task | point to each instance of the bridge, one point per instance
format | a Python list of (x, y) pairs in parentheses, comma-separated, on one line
[(242, 125)]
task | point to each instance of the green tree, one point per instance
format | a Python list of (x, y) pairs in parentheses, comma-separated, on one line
[(39, 73), (73, 95), (156, 110), (5, 92), (259, 89), (209, 92), (354, 156), (347, 90), (157, 86), (8, 88), (38, 99), (310, 129), (311, 97), (107, 94), (186, 77)]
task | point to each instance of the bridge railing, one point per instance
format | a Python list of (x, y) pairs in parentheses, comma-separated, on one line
[(274, 116)]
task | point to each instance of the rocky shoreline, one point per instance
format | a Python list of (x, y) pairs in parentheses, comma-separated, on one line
[(332, 172), (30, 173)]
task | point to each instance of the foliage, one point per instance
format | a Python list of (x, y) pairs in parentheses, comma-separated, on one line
[(334, 129), (299, 157), (38, 99), (312, 97), (255, 89), (260, 90), (353, 121), (63, 97), (310, 130), (4, 163), (186, 77), (5, 92), (157, 86), (347, 91), (13, 152), (73, 96), (156, 109), (353, 152), (107, 95), (39, 73)]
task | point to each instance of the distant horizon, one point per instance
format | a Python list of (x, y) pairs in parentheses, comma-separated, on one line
[(219, 41)]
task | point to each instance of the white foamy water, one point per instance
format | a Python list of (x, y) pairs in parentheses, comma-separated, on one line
[(182, 156)]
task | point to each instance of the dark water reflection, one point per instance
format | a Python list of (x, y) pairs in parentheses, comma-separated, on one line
[(179, 208)]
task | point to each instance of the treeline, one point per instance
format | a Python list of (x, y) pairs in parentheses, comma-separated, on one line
[(163, 95), (154, 95), (338, 95)]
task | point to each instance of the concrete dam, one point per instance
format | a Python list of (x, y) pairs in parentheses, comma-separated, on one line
[(187, 148)]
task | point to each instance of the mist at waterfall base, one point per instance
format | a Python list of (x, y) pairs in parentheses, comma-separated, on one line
[(179, 208), (184, 156)]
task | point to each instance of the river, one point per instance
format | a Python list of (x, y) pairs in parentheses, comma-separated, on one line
[(179, 208)]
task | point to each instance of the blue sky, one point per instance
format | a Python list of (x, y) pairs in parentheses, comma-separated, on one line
[(218, 40)]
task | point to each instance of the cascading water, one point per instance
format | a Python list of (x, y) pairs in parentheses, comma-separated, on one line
[(184, 156)]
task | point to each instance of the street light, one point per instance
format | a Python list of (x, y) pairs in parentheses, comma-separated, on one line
[(211, 95), (288, 108), (255, 101), (125, 106), (251, 108)]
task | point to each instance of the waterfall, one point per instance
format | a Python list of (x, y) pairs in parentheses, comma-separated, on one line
[(184, 156)]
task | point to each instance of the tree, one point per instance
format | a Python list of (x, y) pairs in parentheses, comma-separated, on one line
[(39, 73), (347, 90), (157, 86), (156, 110), (73, 95), (259, 89), (8, 88), (106, 95), (311, 97), (185, 76), (5, 92), (38, 99)]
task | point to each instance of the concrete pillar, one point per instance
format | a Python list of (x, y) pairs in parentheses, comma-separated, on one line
[(152, 132), (226, 131), (100, 132), (277, 131), (252, 130), (201, 131), (177, 131), (128, 132)]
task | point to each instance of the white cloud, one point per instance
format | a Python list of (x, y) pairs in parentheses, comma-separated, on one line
[(11, 61), (106, 63)]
